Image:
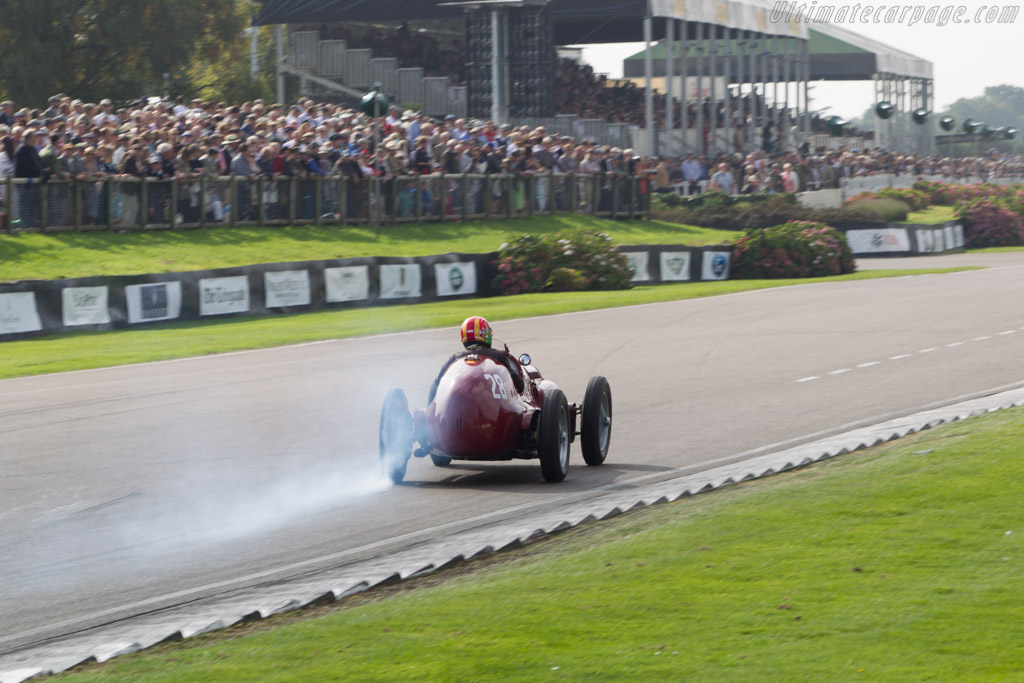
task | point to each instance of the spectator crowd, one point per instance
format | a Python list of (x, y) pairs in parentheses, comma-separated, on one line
[(187, 140)]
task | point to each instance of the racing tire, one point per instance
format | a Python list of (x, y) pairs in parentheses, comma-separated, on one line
[(440, 460), (596, 422), (553, 436), (395, 436)]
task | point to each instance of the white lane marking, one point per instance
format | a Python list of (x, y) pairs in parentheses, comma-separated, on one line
[(809, 379), (956, 344), (839, 372), (1008, 332), (981, 338), (901, 356), (869, 364), (928, 350)]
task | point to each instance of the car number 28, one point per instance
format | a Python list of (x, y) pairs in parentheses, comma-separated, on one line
[(498, 389)]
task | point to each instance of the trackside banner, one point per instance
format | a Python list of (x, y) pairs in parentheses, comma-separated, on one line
[(33, 308)]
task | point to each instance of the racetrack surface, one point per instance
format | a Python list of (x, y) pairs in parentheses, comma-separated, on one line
[(130, 488)]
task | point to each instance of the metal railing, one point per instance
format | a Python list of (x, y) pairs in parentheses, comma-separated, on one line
[(126, 203)]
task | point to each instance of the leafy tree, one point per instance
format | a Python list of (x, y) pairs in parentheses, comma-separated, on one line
[(1000, 105), (121, 49)]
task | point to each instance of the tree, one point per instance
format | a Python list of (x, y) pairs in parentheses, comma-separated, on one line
[(1001, 105), (91, 49)]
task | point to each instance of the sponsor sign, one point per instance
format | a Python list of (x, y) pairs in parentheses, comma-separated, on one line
[(287, 288), (347, 283), (675, 266), (715, 265), (878, 240), (85, 306), (454, 279), (219, 295), (950, 238), (401, 281), (958, 236), (638, 262), (925, 241), (18, 313), (940, 240), (151, 302)]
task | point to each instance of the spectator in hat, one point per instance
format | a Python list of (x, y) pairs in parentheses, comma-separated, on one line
[(7, 113)]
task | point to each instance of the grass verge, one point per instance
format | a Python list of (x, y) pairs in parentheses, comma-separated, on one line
[(85, 350), (903, 562), (932, 215), (36, 256)]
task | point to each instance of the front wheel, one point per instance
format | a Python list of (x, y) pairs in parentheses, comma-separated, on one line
[(395, 436), (553, 436), (596, 427)]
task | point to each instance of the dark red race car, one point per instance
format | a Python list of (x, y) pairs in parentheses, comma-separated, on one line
[(477, 412)]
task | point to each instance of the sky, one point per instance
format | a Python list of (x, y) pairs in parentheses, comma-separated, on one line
[(966, 57)]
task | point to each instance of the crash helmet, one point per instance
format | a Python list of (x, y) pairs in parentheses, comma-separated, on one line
[(476, 330)]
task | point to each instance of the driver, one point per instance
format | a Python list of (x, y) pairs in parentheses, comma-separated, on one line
[(477, 336)]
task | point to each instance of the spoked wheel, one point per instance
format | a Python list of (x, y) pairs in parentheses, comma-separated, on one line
[(596, 427), (554, 436), (395, 436)]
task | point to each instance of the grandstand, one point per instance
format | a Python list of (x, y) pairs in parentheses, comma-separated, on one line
[(735, 69)]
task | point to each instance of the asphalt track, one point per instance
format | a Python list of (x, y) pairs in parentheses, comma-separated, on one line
[(130, 488)]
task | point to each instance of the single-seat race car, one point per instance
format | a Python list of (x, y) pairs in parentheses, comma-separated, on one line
[(479, 410)]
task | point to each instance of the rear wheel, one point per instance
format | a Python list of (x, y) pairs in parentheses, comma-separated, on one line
[(395, 436), (553, 436), (596, 427), (440, 460)]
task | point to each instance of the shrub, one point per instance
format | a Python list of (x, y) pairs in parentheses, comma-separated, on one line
[(915, 199), (568, 261), (795, 249), (891, 210), (987, 224)]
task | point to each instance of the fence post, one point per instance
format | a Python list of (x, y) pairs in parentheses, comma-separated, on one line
[(317, 198), (202, 201), (44, 191), (615, 195), (529, 191), (260, 207), (293, 192), (233, 196), (573, 190), (143, 202), (9, 194), (488, 194), (172, 210), (648, 200), (108, 191), (418, 200), (464, 182), (76, 205), (343, 199)]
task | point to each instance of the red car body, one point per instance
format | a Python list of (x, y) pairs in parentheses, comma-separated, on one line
[(477, 413)]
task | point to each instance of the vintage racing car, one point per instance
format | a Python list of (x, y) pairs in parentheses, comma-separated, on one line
[(478, 410)]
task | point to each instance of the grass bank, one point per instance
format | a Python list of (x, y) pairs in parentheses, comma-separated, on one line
[(903, 562), (933, 215), (36, 256), (85, 350)]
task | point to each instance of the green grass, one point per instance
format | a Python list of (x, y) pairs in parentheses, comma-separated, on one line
[(933, 215), (902, 563), (35, 256), (163, 341)]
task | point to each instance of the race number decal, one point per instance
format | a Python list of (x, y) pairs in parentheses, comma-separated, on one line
[(498, 389)]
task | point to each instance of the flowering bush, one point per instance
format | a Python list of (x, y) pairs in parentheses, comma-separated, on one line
[(795, 249), (988, 224), (568, 261), (949, 194)]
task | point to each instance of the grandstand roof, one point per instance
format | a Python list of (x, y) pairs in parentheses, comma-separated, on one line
[(837, 54), (577, 22)]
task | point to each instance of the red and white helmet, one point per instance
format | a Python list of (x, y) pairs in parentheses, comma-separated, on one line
[(476, 330)]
